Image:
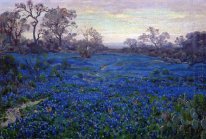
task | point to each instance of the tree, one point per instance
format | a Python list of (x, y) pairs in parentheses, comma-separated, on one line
[(32, 11), (179, 41), (13, 25), (154, 37), (195, 46), (58, 21), (49, 40), (6, 28), (132, 43), (92, 41), (195, 40)]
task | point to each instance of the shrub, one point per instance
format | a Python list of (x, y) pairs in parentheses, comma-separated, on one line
[(32, 84), (55, 72), (165, 72), (11, 77), (84, 52), (23, 66), (5, 90), (41, 64), (34, 68), (188, 120), (20, 77), (8, 67), (65, 64), (155, 72), (51, 61), (42, 78)]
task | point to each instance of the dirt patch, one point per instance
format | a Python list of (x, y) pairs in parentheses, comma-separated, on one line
[(12, 114)]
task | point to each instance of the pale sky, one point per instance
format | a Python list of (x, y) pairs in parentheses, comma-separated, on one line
[(117, 20)]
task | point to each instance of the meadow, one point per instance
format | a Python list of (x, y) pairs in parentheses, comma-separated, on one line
[(107, 96)]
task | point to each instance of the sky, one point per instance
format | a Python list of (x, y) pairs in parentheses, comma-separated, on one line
[(117, 20)]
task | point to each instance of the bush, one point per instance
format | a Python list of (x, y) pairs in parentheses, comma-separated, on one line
[(42, 78), (32, 84), (23, 66), (165, 72), (8, 67), (156, 72), (84, 52), (188, 120), (34, 68), (65, 65), (11, 78)]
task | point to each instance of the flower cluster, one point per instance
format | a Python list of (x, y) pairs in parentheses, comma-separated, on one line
[(107, 96)]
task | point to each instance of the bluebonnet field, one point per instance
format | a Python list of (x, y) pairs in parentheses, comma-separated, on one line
[(106, 96)]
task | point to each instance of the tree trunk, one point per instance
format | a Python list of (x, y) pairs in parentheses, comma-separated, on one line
[(60, 41), (155, 44), (20, 51), (16, 41), (34, 34)]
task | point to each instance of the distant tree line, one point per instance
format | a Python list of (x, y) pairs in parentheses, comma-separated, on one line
[(55, 30), (191, 48), (52, 29)]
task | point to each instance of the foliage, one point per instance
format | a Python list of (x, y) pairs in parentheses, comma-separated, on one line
[(8, 68), (10, 79), (188, 119), (35, 67), (154, 37), (179, 41), (132, 43), (13, 25), (59, 21), (65, 65), (190, 49), (195, 40), (90, 44), (32, 11)]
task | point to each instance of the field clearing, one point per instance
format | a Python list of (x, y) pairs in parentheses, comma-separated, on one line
[(106, 96)]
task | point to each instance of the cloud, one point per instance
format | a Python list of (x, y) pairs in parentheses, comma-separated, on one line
[(119, 19)]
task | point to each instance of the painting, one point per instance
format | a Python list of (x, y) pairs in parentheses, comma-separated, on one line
[(116, 69)]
